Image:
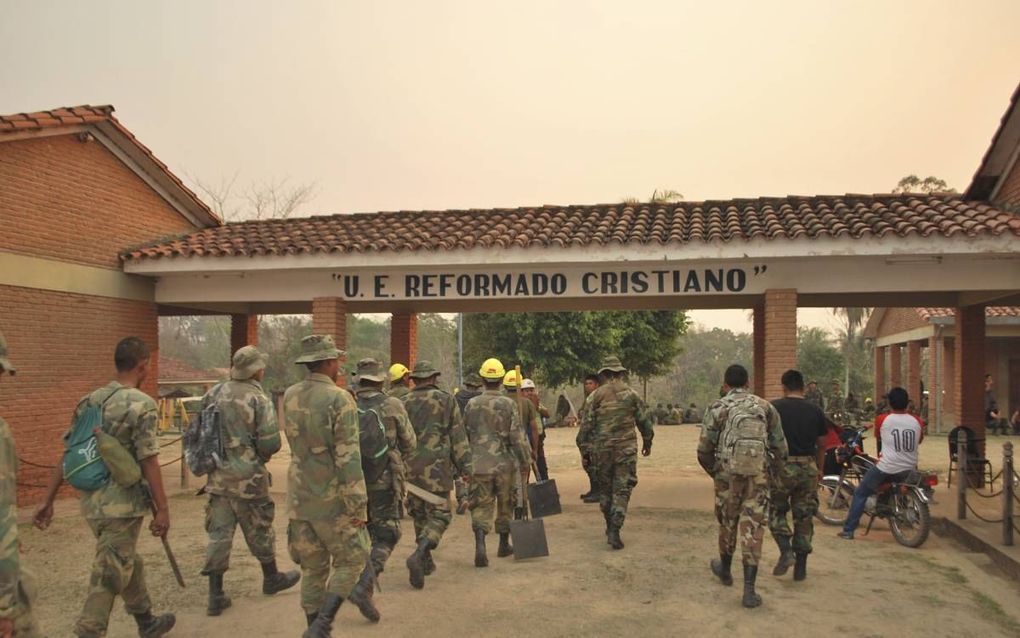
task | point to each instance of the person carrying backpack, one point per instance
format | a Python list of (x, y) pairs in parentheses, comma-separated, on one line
[(238, 488), (386, 439), (114, 512), (742, 441)]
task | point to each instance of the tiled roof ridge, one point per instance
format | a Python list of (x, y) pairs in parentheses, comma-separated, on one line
[(929, 313), (714, 221)]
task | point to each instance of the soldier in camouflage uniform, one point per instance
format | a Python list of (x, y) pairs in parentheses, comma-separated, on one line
[(531, 421), (585, 438), (400, 383), (326, 495), (499, 451), (834, 406), (239, 488), (16, 593), (616, 410), (114, 513), (741, 502), (814, 395), (472, 388), (386, 494), (443, 452)]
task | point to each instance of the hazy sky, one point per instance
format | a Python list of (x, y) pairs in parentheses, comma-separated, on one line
[(412, 105)]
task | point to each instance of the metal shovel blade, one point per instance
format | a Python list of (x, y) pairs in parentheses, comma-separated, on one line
[(528, 538), (544, 499)]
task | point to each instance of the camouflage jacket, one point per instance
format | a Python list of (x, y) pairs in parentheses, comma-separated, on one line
[(715, 420), (399, 433), (834, 404), (324, 481), (10, 569), (494, 430), (399, 392), (129, 416), (616, 410), (528, 414), (585, 429), (463, 396), (443, 450), (815, 397), (251, 437)]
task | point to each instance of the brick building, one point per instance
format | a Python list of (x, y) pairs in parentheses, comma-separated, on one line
[(76, 188)]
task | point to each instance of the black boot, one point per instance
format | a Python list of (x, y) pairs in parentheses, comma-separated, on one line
[(800, 567), (428, 564), (614, 539), (751, 599), (481, 560), (378, 558), (609, 524), (361, 595), (218, 601), (323, 623), (505, 549), (311, 617), (275, 581), (416, 563), (721, 568), (150, 626), (785, 556)]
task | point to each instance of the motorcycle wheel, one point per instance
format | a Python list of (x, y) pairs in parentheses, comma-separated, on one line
[(833, 501), (911, 520)]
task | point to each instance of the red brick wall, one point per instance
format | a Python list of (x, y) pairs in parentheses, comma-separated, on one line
[(76, 201), (971, 362), (898, 320), (1009, 192), (63, 346), (780, 338), (329, 316), (404, 338)]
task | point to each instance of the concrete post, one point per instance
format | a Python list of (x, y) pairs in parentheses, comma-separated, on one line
[(780, 321)]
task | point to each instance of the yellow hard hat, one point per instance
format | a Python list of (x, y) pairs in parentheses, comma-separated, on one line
[(492, 369), (510, 380), (397, 372)]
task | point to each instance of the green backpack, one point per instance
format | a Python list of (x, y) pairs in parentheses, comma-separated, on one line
[(83, 466)]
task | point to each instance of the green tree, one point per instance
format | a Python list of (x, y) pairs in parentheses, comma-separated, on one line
[(649, 341), (928, 185)]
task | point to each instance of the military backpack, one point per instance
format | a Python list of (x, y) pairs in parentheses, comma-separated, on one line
[(743, 441), (375, 446), (204, 449), (83, 465)]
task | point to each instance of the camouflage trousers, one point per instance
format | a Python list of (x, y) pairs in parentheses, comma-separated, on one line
[(461, 491), (317, 545), (741, 507), (116, 570), (23, 619), (430, 521), (383, 525), (796, 491), (222, 516), (492, 496), (615, 478)]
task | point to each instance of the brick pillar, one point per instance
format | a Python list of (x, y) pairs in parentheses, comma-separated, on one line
[(969, 389), (935, 356), (949, 381), (780, 320), (244, 331), (880, 387), (914, 371), (758, 374), (895, 366), (404, 338), (329, 316)]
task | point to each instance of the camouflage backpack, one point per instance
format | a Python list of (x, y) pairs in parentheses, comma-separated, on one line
[(203, 441), (743, 441), (374, 445), (83, 465)]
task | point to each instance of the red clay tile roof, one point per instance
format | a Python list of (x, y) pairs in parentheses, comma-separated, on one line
[(990, 311), (176, 371), (95, 115), (849, 216)]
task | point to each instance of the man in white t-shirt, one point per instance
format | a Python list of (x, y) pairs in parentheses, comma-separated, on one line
[(899, 434)]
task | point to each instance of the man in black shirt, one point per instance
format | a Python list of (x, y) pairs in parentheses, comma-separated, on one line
[(796, 488)]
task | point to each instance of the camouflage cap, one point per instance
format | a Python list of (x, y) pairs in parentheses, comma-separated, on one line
[(612, 364), (6, 363), (318, 348), (371, 370), (247, 362), (423, 370), (473, 380)]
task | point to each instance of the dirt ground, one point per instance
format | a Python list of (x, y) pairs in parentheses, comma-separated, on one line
[(658, 586)]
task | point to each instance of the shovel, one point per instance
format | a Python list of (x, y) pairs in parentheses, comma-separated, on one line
[(543, 498), (528, 536)]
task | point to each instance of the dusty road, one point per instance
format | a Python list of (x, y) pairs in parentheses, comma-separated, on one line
[(658, 586)]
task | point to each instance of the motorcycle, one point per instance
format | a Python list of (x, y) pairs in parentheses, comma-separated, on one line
[(903, 501)]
